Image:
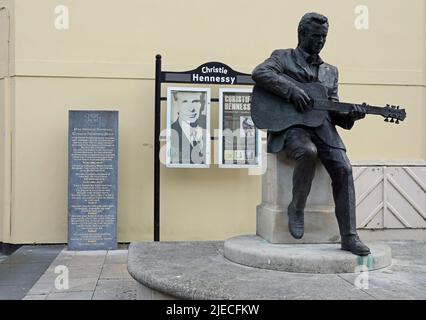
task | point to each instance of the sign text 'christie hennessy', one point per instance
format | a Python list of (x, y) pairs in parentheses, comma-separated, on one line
[(208, 73)]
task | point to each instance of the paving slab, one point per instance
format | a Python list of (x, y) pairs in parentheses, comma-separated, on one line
[(404, 279), (392, 286), (21, 270), (41, 288), (85, 268), (35, 297), (116, 256), (272, 285), (14, 291), (78, 285), (115, 290), (80, 271), (115, 271), (79, 261), (24, 279), (48, 277), (89, 253), (82, 295)]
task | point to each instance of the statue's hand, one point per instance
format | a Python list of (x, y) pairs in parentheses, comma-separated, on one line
[(357, 112), (300, 99)]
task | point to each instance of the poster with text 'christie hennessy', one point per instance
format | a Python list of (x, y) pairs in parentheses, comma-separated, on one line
[(239, 140)]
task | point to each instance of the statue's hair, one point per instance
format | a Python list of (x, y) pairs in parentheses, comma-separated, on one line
[(308, 19)]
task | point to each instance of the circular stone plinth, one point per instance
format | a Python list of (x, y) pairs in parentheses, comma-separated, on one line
[(254, 251)]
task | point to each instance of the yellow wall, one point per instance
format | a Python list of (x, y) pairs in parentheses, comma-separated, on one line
[(6, 153), (424, 121), (7, 37), (424, 80), (121, 38), (2, 155), (106, 61), (40, 147), (374, 139), (6, 101)]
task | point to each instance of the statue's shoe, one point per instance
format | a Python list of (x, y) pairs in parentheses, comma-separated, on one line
[(354, 245), (295, 222)]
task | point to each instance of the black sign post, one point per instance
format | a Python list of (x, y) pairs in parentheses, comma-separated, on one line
[(207, 73)]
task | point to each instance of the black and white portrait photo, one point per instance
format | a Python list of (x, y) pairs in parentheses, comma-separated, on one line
[(188, 127)]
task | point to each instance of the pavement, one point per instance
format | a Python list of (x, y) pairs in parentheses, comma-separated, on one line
[(21, 270), (54, 273), (29, 273)]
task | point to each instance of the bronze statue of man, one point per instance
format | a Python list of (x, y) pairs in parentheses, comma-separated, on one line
[(305, 141)]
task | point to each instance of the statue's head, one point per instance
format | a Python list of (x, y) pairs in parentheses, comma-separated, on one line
[(313, 29)]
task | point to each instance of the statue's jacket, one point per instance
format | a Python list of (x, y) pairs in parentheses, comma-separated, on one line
[(292, 63)]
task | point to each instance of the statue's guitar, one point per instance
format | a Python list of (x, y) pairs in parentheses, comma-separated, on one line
[(270, 111)]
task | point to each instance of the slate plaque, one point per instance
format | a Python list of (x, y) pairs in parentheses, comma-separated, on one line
[(92, 180)]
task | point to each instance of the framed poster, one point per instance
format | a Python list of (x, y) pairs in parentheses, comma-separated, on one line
[(239, 139), (188, 127)]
